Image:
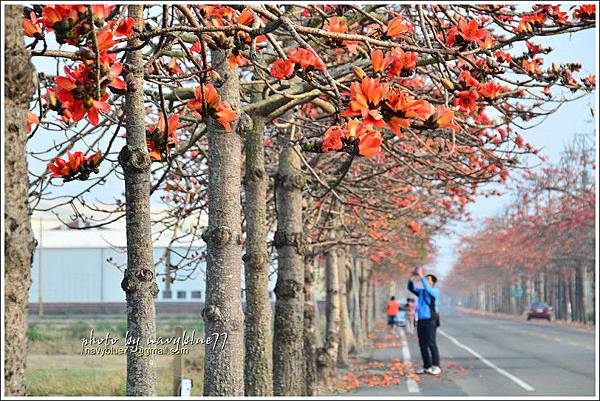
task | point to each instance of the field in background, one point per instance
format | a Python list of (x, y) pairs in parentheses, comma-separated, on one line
[(55, 365)]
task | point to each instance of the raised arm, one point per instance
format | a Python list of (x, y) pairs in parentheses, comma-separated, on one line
[(431, 291), (411, 288)]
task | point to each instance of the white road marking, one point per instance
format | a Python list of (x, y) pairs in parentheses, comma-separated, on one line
[(503, 372), (412, 385)]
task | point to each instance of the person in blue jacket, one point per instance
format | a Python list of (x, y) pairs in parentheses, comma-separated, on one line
[(426, 325)]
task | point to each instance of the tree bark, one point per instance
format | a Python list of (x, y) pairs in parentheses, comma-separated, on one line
[(374, 305), (580, 293), (355, 316), (18, 236), (288, 343), (571, 295), (139, 281), (258, 364), (223, 315), (364, 299), (346, 337), (328, 356), (310, 328)]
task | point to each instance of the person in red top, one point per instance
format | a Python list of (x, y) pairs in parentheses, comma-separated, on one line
[(392, 309)]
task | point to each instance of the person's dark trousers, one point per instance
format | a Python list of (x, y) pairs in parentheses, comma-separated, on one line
[(429, 351)]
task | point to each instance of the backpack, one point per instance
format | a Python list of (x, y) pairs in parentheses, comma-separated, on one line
[(434, 315)]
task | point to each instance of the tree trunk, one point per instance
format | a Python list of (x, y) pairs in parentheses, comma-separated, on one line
[(139, 281), (328, 357), (223, 315), (310, 328), (258, 365), (580, 295), (364, 299), (288, 343), (355, 316), (346, 338), (571, 295), (374, 305), (18, 236)]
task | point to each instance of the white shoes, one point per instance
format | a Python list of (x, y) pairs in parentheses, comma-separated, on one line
[(434, 370)]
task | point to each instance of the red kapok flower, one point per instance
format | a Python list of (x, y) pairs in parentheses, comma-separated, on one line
[(403, 63), (77, 164), (105, 40), (337, 25), (90, 107), (402, 107), (115, 81), (415, 227), (585, 12), (246, 17), (470, 31), (466, 101), (196, 47), (282, 69), (491, 90), (210, 96), (225, 115), (533, 66), (502, 56), (380, 63), (32, 26), (369, 140), (61, 168), (333, 139), (443, 117), (365, 101), (125, 27), (397, 27), (236, 59), (467, 79), (31, 119), (306, 58)]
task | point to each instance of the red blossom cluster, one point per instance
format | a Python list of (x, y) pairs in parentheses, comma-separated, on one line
[(353, 137), (219, 16), (379, 105), (82, 91), (300, 60), (161, 140), (77, 166), (208, 103)]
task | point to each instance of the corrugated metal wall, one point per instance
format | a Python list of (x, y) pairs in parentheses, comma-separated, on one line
[(85, 275)]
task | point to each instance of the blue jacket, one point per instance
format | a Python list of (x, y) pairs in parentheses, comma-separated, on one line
[(425, 295)]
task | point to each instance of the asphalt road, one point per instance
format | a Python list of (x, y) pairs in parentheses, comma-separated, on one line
[(482, 356)]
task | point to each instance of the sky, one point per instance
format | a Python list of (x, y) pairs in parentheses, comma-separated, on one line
[(551, 136)]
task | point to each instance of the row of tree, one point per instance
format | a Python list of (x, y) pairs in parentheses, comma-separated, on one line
[(339, 135), (547, 251)]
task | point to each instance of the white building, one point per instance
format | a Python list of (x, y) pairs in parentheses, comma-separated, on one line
[(85, 268)]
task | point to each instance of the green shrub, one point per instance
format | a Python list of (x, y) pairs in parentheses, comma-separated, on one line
[(104, 327), (34, 333), (590, 317), (79, 330)]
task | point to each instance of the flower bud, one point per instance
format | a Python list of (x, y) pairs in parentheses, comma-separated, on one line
[(358, 72)]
